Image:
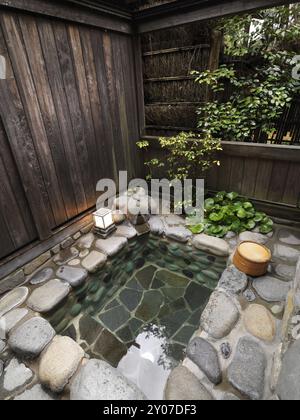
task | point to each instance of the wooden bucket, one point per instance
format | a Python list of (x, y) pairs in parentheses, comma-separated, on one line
[(252, 259)]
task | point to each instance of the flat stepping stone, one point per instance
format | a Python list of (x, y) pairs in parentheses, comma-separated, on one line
[(182, 385), (287, 272), (286, 253), (42, 276), (86, 241), (288, 388), (127, 232), (47, 297), (175, 220), (271, 289), (59, 363), (179, 234), (16, 375), (205, 356), (220, 316), (215, 246), (98, 381), (254, 237), (75, 277), (94, 261), (30, 339), (260, 322), (247, 370), (156, 226), (37, 393), (11, 319), (289, 237), (63, 257), (233, 280), (111, 246), (13, 299)]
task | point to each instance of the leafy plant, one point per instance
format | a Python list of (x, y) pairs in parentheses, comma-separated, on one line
[(187, 155), (266, 43), (228, 212)]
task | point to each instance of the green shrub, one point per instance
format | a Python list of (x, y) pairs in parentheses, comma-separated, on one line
[(229, 212)]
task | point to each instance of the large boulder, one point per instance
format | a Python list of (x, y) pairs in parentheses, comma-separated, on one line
[(220, 316), (59, 363), (98, 381)]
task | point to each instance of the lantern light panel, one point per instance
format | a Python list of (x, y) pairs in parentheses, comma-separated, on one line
[(103, 219)]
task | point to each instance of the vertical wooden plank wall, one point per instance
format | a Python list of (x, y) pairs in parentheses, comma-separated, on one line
[(68, 117)]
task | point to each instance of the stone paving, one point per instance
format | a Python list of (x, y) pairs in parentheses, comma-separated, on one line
[(89, 299)]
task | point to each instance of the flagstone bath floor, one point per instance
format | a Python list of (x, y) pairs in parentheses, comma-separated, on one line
[(140, 312)]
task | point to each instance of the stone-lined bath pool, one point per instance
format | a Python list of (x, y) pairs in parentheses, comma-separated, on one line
[(140, 311)]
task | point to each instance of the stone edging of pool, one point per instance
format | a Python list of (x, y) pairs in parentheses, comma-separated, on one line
[(246, 329)]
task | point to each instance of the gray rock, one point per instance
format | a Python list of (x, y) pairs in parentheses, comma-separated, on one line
[(205, 356), (286, 253), (86, 229), (211, 244), (247, 370), (47, 297), (182, 385), (12, 281), (180, 234), (37, 263), (233, 280), (59, 362), (37, 393), (11, 319), (230, 397), (63, 257), (220, 316), (16, 375), (67, 243), (156, 226), (73, 276), (249, 295), (226, 350), (289, 237), (1, 368), (76, 236), (30, 339), (288, 272), (112, 245), (98, 381), (42, 276), (271, 289), (13, 299), (86, 241), (288, 388), (253, 237), (94, 261), (127, 232)]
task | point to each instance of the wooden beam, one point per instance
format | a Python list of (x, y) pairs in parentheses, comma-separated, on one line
[(251, 150), (174, 14), (74, 13)]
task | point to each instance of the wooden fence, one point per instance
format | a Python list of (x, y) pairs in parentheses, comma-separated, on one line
[(268, 174), (68, 117)]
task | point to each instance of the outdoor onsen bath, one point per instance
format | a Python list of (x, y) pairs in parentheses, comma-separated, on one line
[(149, 202)]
